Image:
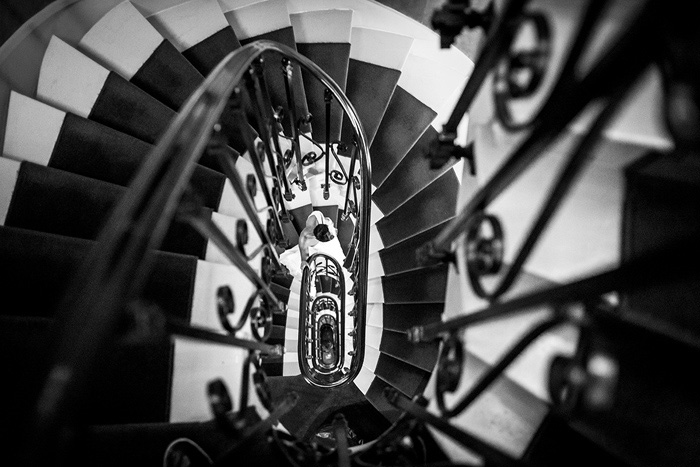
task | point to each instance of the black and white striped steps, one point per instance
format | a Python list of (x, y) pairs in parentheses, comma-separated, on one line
[(389, 77)]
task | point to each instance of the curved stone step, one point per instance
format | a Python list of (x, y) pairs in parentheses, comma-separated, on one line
[(423, 355), (426, 285), (39, 133), (412, 175), (75, 83), (401, 257), (53, 201), (125, 42), (432, 206), (376, 59), (197, 28), (423, 89), (407, 378), (402, 316)]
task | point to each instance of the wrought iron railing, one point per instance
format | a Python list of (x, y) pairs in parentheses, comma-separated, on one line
[(232, 108), (587, 384), (590, 380)]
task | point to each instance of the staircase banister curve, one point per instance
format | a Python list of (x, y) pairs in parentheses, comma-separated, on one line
[(117, 267)]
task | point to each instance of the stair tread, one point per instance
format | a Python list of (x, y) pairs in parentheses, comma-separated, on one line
[(112, 100), (401, 257), (376, 58), (410, 176), (423, 355), (54, 201), (435, 204), (132, 47), (427, 285), (205, 44), (408, 379), (400, 317)]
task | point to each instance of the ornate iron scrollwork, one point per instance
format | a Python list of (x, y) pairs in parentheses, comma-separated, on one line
[(338, 177), (520, 73), (450, 364), (220, 403), (261, 322), (311, 157), (225, 307), (484, 254)]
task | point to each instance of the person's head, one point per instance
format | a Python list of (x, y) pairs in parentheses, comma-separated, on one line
[(323, 233)]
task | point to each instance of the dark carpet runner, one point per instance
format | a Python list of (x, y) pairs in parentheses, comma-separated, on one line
[(168, 76), (54, 201), (405, 120), (432, 206), (209, 52), (333, 59), (369, 88), (410, 176), (126, 108), (419, 286)]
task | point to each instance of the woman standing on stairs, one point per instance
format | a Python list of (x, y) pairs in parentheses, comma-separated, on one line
[(318, 229)]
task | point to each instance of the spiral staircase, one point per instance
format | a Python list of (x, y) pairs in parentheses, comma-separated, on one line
[(110, 80), (89, 89)]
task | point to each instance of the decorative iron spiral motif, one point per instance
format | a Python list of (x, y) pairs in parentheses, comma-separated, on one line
[(260, 150), (337, 177), (520, 73), (484, 254), (225, 307), (219, 398), (241, 234), (563, 393), (450, 364), (310, 158), (251, 185), (287, 158), (261, 323), (266, 268)]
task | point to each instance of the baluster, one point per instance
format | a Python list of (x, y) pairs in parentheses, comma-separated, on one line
[(267, 120), (287, 70), (255, 156), (244, 195), (196, 217), (327, 96), (351, 178)]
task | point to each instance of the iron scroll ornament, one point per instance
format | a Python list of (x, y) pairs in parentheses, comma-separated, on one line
[(519, 74)]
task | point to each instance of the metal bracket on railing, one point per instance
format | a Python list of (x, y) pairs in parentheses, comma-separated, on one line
[(455, 15), (443, 150)]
